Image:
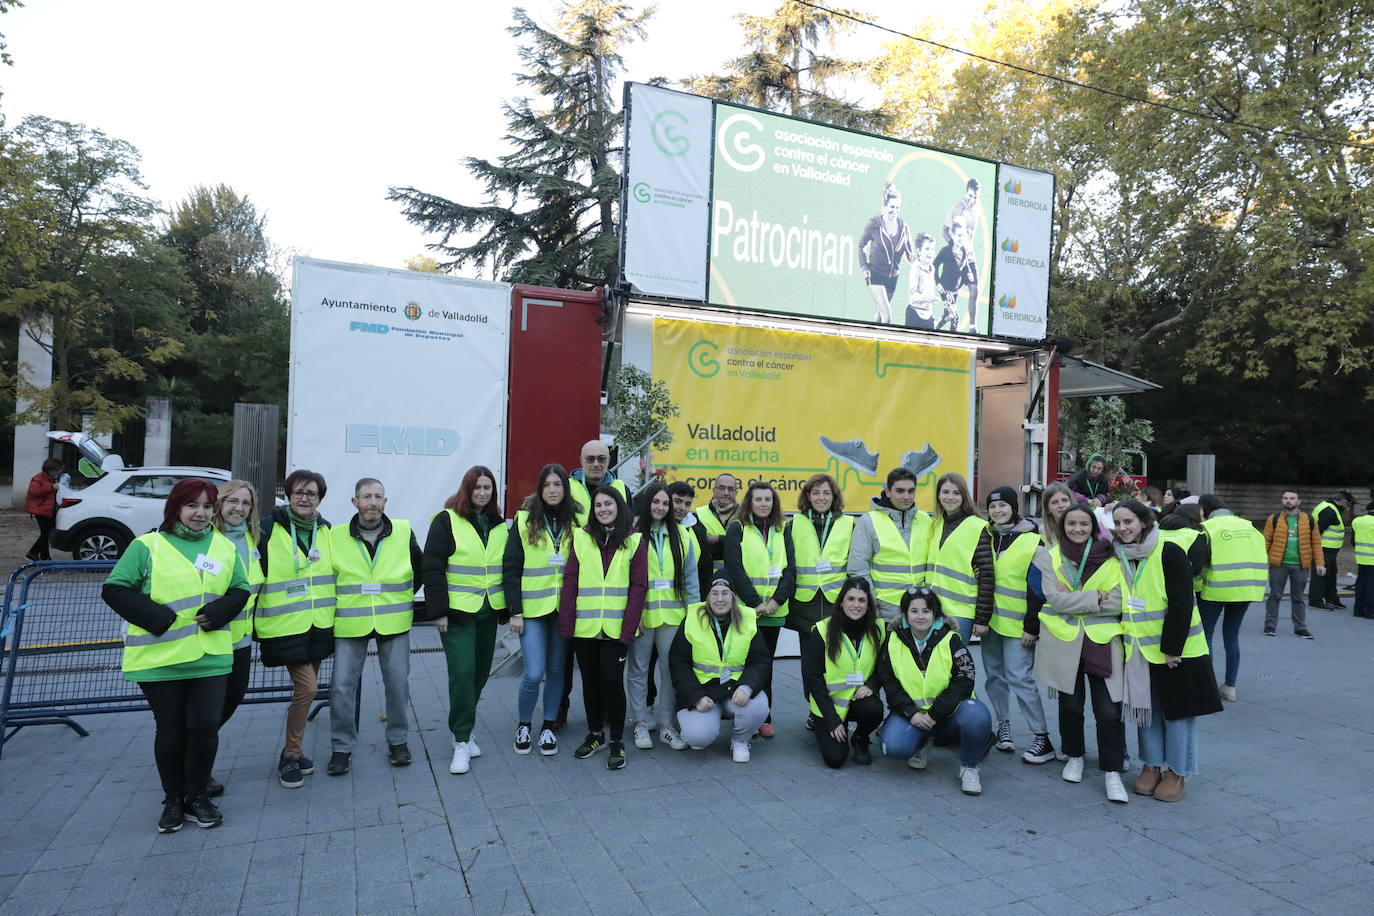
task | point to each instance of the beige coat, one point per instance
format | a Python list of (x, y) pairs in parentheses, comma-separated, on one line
[(1056, 661)]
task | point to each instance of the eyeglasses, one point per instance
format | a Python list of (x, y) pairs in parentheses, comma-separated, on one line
[(306, 494), (235, 501)]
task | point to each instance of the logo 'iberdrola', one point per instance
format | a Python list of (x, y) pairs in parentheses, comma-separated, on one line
[(1007, 302), (413, 311), (1012, 187), (1012, 245)]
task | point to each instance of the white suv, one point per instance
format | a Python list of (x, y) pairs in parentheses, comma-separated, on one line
[(99, 520)]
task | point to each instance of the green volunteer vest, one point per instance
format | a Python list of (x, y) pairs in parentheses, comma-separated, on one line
[(173, 581), (820, 567), (1143, 627), (838, 672), (923, 687), (578, 491), (1100, 628), (1333, 538), (372, 594), (1239, 570), (951, 566), (763, 563), (1009, 595), (712, 662), (602, 595), (241, 627), (662, 606), (296, 594), (542, 576), (1183, 537), (1362, 528), (474, 569), (713, 528), (898, 565)]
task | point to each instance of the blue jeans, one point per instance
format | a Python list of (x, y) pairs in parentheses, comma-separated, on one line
[(542, 650), (971, 724), (1234, 611), (963, 624), (1168, 743)]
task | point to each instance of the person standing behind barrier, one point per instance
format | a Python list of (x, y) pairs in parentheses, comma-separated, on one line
[(890, 543), (960, 561), (1294, 545), (179, 587), (756, 565), (715, 516), (531, 577), (1008, 650), (377, 563), (838, 665), (602, 601), (1362, 531), (718, 663), (673, 588), (1077, 605), (294, 618), (236, 517), (1329, 514), (818, 539), (41, 503), (683, 495), (1056, 500), (927, 675), (1234, 575), (463, 566), (1163, 629)]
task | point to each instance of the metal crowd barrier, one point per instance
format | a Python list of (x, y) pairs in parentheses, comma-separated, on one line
[(60, 650)]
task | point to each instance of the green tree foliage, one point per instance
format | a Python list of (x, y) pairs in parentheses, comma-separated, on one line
[(424, 264), (5, 7), (79, 258), (551, 208), (638, 408), (785, 68), (1100, 426)]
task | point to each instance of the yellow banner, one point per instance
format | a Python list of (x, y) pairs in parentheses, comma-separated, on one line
[(781, 406)]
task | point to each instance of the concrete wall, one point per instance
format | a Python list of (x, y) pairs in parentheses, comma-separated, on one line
[(1257, 500)]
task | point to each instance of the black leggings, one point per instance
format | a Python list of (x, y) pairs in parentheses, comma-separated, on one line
[(39, 550), (237, 685), (602, 663), (770, 638), (187, 714), (1111, 730), (864, 716)]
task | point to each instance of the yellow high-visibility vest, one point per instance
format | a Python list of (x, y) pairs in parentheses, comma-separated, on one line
[(372, 594), (174, 581)]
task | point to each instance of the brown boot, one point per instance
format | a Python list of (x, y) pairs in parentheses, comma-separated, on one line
[(1146, 782), (1170, 787)]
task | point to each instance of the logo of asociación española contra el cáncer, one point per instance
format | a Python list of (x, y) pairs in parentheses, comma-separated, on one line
[(701, 358)]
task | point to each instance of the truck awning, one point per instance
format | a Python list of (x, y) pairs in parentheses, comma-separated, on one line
[(1081, 378)]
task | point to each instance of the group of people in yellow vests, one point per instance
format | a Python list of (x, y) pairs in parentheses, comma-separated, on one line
[(887, 602)]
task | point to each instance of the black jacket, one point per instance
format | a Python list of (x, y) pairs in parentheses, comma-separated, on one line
[(1191, 688), (317, 643), (434, 570), (961, 677), (142, 611), (758, 664)]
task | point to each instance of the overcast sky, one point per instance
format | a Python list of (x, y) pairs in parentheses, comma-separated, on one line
[(311, 108)]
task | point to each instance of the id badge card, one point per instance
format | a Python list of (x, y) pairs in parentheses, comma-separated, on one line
[(822, 567), (556, 559), (255, 555), (314, 555), (774, 572), (298, 590), (854, 679), (208, 565), (660, 584), (1135, 604), (372, 588)]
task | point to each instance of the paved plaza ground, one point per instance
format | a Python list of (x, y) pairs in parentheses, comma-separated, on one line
[(1281, 818)]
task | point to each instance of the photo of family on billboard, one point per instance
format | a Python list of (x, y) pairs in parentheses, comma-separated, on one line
[(936, 278)]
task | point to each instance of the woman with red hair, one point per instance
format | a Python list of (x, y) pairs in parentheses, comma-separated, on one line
[(463, 596), (178, 587)]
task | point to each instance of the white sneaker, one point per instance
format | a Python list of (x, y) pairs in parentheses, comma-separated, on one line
[(739, 751), (643, 740), (473, 750), (462, 756), (969, 781), (1073, 770), (548, 743), (917, 761), (670, 737), (1228, 693), (1116, 791)]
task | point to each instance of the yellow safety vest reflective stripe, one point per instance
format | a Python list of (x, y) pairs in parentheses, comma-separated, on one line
[(296, 594), (820, 567), (951, 566), (579, 492), (923, 687), (1143, 628), (372, 594), (174, 582), (602, 595), (709, 663), (1239, 570), (838, 670), (241, 627), (541, 579), (1100, 628), (662, 605), (1009, 595), (1183, 537), (898, 564), (1333, 538), (763, 563), (474, 568), (1362, 527)]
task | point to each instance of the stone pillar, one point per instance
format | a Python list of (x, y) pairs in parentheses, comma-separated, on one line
[(31, 443), (1202, 474), (157, 433)]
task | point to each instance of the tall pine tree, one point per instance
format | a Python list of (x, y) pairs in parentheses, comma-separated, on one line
[(551, 211)]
